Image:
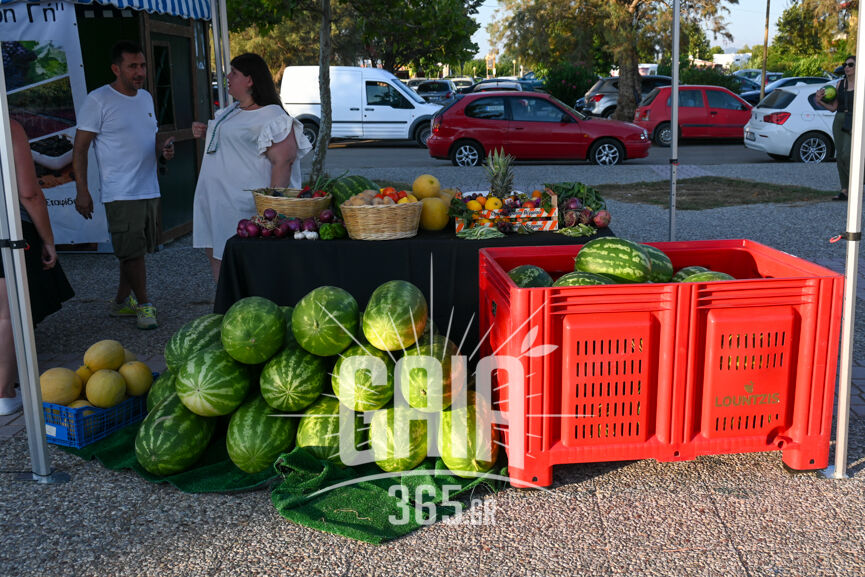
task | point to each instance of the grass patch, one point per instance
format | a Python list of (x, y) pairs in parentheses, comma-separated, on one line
[(708, 192)]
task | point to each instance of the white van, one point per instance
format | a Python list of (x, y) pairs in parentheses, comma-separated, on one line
[(366, 103)]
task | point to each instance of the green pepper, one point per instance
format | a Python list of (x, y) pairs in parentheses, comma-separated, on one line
[(330, 231)]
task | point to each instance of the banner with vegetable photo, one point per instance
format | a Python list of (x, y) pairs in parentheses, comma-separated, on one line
[(45, 85)]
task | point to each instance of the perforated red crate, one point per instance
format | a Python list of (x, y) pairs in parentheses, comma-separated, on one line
[(666, 371)]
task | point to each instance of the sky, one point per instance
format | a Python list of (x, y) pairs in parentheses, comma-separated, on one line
[(745, 22)]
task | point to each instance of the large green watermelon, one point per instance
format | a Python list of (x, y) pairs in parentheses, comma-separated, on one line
[(359, 392), (398, 443), (161, 388), (257, 435), (708, 276), (196, 335), (324, 322), (578, 278), (395, 316), (530, 276), (318, 431), (253, 330), (622, 260), (211, 383), (293, 379), (172, 438), (414, 384), (467, 441), (662, 266), (687, 271)]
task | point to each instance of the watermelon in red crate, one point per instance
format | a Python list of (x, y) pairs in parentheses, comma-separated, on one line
[(664, 370)]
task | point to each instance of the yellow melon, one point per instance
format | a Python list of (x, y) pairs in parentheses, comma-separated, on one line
[(434, 214), (425, 186), (128, 356), (81, 403), (138, 377), (105, 354), (106, 388), (59, 385), (84, 374)]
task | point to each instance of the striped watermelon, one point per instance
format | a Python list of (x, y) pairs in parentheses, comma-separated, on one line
[(253, 330), (393, 425), (662, 266), (289, 334), (395, 316), (324, 322), (414, 385), (687, 271), (577, 278), (196, 335), (293, 379), (212, 383), (359, 392), (161, 388), (255, 438), (620, 259), (530, 276), (346, 187), (171, 437), (318, 431), (708, 276), (467, 439)]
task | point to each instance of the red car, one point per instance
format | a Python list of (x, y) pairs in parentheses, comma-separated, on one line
[(529, 126), (704, 112)]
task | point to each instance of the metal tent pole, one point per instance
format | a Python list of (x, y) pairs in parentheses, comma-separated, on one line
[(19, 308), (226, 46), (853, 234), (217, 52), (674, 121)]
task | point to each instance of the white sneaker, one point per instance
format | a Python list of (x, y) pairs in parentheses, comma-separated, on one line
[(10, 405)]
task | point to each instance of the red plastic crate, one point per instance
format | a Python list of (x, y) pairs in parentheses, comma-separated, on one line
[(671, 370)]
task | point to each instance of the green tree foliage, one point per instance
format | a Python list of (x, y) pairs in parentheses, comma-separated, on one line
[(568, 82)]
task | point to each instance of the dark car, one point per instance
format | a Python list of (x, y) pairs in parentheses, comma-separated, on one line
[(603, 97), (436, 91), (752, 97), (530, 126), (744, 84), (499, 84)]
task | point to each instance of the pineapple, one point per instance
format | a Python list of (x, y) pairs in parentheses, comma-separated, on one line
[(501, 174)]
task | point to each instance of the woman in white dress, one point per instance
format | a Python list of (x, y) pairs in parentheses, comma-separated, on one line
[(253, 143)]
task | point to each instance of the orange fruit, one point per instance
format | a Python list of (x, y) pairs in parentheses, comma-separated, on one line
[(474, 205), (485, 221), (537, 193), (482, 200), (493, 203), (529, 205)]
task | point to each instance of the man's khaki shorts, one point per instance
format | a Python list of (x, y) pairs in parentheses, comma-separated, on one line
[(134, 227)]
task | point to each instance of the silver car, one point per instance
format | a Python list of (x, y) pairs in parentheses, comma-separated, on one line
[(603, 96), (436, 91)]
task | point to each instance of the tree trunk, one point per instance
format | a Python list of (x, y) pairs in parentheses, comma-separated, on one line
[(629, 79), (324, 53)]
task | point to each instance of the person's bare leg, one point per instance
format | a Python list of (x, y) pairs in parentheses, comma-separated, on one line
[(8, 364), (215, 264), (134, 271)]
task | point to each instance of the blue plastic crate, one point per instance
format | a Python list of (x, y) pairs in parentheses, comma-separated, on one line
[(79, 427)]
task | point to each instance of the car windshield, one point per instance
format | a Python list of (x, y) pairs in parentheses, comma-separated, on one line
[(577, 113), (778, 100), (411, 94), (433, 87)]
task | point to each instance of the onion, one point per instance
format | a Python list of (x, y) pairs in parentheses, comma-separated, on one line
[(309, 225), (326, 215), (242, 222), (293, 224), (241, 231), (573, 204), (266, 232), (280, 232), (270, 214), (252, 229)]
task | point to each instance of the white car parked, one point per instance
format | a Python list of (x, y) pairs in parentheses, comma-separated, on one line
[(789, 124)]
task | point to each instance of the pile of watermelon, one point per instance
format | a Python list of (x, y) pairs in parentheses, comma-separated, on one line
[(611, 260), (279, 377)]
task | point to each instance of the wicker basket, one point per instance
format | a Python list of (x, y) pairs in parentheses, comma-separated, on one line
[(289, 206), (387, 222)]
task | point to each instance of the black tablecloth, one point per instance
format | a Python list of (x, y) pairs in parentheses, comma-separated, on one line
[(285, 270)]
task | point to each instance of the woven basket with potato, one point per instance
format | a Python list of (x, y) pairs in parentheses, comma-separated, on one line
[(370, 218)]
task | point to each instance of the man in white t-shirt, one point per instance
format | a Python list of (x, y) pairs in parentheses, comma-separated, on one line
[(118, 119)]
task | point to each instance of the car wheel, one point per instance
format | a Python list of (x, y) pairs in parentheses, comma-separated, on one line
[(606, 153), (608, 112), (467, 153), (663, 134), (812, 148), (422, 134), (310, 131), (780, 157)]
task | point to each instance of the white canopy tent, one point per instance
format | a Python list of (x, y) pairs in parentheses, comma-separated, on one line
[(13, 260)]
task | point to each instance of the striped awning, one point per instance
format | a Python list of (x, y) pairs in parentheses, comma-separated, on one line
[(194, 9)]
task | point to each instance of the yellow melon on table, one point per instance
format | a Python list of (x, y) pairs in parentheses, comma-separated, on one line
[(106, 388), (105, 354), (82, 403), (60, 385), (425, 186), (84, 374), (138, 377), (434, 214)]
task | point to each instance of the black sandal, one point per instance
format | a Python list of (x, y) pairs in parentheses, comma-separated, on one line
[(840, 196)]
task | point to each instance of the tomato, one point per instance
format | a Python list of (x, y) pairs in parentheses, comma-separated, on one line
[(529, 205), (387, 189), (391, 194), (402, 194), (379, 195)]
